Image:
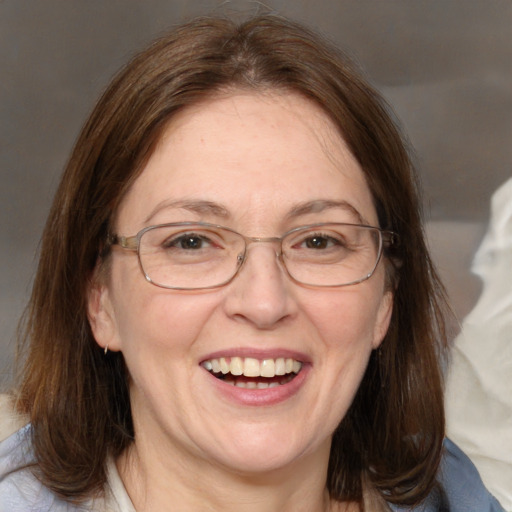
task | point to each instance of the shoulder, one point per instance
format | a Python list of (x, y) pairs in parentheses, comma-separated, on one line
[(460, 487), (20, 490)]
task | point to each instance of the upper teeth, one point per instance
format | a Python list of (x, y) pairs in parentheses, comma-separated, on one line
[(251, 367)]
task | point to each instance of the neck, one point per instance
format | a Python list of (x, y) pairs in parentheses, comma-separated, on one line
[(156, 481)]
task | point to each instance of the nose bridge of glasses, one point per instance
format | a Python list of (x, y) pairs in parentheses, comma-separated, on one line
[(273, 240), (254, 241)]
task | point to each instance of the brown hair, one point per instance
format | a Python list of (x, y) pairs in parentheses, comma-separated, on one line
[(77, 398)]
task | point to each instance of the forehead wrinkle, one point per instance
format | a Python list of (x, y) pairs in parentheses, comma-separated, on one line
[(201, 207)]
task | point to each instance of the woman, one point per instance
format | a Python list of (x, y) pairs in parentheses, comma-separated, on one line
[(234, 307)]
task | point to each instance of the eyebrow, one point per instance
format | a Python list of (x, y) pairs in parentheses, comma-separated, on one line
[(204, 207), (195, 206), (320, 205)]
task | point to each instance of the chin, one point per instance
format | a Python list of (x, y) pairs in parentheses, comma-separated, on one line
[(260, 465), (265, 451)]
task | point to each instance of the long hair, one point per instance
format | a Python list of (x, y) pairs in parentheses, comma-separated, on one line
[(77, 398)]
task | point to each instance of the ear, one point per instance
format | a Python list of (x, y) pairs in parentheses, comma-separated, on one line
[(101, 316), (383, 318)]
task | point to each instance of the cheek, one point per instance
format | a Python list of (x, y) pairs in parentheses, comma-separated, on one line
[(163, 320), (152, 318), (344, 322), (345, 318)]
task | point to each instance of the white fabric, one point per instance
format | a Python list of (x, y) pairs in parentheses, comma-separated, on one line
[(479, 387), (117, 499)]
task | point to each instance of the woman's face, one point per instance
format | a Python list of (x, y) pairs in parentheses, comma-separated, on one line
[(260, 164)]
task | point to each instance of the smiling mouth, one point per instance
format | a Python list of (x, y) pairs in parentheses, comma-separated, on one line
[(251, 373)]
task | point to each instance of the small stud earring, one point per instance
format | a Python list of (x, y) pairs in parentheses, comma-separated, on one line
[(106, 349)]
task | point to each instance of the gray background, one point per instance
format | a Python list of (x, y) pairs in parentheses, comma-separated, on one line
[(444, 65)]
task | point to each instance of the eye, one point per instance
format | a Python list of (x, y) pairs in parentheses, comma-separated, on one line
[(189, 242), (327, 245), (319, 242)]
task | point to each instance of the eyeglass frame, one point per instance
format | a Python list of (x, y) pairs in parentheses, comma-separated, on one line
[(387, 239)]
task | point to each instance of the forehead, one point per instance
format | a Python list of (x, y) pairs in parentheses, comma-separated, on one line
[(254, 155)]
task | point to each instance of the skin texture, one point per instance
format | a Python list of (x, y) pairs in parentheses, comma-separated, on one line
[(259, 156)]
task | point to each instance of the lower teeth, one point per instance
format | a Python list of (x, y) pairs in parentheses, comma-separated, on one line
[(252, 384), (255, 385)]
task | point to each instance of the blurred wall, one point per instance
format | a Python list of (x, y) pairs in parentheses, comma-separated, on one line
[(444, 65)]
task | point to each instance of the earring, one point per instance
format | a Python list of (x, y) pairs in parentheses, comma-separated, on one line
[(106, 349)]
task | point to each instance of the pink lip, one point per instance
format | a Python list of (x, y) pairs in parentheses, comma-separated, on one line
[(258, 354), (259, 397)]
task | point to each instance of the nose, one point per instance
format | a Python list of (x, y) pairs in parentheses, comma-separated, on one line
[(261, 294)]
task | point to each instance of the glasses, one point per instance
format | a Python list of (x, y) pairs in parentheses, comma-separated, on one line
[(196, 256)]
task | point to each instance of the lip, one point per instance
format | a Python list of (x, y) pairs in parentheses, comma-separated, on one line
[(258, 354), (259, 397)]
